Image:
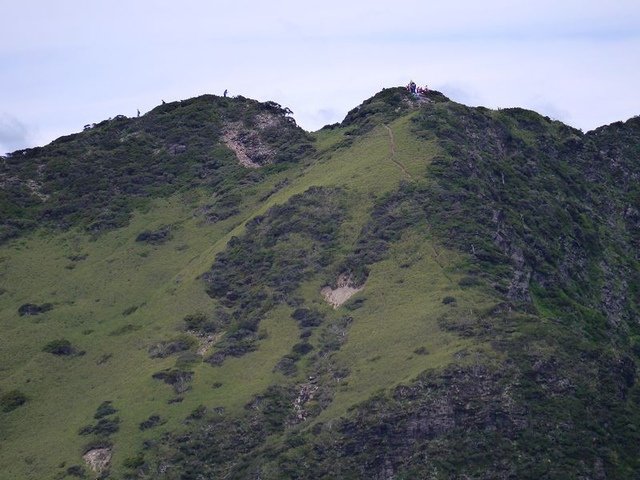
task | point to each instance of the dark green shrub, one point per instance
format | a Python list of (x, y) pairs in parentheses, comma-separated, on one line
[(29, 309), (199, 412), (12, 400), (60, 347), (234, 344), (302, 348), (307, 317), (104, 427), (306, 333), (287, 366), (447, 300), (156, 237), (200, 323), (150, 422), (104, 410)]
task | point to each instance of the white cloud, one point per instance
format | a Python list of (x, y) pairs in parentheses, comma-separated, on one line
[(68, 63)]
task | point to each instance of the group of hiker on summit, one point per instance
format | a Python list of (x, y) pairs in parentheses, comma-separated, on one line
[(416, 90)]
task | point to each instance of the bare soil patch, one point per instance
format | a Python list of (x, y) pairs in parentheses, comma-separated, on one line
[(344, 290), (233, 140), (98, 459)]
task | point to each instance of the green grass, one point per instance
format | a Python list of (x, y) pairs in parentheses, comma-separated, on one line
[(400, 315), (126, 295)]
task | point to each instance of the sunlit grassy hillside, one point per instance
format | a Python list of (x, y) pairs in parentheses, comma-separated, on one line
[(425, 290), (113, 298)]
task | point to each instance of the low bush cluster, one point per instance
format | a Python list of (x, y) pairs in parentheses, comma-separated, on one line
[(107, 424)]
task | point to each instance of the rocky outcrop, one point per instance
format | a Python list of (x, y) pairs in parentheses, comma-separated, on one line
[(98, 459)]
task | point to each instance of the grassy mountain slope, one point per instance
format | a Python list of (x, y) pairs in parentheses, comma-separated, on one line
[(495, 334)]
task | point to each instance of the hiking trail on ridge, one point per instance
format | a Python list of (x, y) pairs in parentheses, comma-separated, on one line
[(392, 149)]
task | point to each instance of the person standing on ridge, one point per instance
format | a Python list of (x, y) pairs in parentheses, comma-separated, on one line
[(225, 93)]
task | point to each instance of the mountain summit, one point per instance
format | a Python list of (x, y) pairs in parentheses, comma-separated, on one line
[(424, 290)]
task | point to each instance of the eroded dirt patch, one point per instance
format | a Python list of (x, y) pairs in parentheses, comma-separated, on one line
[(239, 144), (247, 143), (345, 289), (98, 459)]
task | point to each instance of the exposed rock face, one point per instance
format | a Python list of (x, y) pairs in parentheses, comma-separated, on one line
[(305, 394), (345, 289), (248, 144), (98, 459), (423, 416)]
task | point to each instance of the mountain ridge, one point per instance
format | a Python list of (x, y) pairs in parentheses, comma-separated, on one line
[(495, 334)]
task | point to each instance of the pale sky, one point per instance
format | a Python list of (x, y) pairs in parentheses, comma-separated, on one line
[(67, 63)]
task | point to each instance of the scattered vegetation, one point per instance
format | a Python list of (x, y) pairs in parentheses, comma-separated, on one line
[(265, 265), (528, 239), (511, 194)]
